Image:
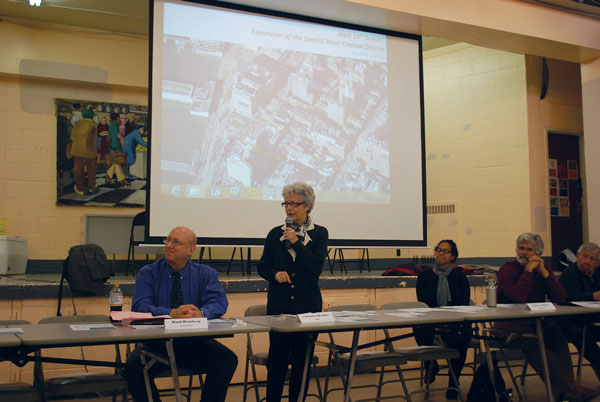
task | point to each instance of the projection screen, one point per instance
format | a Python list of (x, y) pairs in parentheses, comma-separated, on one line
[(245, 101)]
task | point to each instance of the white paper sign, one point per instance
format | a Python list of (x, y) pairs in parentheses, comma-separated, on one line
[(546, 306), (316, 317), (88, 327), (587, 304), (11, 331), (186, 323)]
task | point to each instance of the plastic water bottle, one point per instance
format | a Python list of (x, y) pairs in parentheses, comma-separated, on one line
[(491, 292), (116, 298)]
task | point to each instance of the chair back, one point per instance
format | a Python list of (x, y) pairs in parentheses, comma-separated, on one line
[(352, 307), (138, 225), (399, 305), (72, 319), (259, 309)]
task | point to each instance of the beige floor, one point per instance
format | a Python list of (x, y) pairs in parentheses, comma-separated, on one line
[(533, 390)]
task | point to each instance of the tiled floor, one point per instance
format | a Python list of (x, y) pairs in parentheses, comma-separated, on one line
[(533, 390)]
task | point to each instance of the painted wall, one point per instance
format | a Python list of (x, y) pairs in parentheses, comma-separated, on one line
[(477, 149), (590, 82), (478, 135)]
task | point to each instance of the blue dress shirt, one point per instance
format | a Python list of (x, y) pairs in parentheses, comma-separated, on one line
[(199, 284)]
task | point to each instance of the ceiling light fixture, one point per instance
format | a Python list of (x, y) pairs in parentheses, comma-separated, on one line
[(36, 3)]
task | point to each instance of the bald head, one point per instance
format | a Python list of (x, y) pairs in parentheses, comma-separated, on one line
[(179, 247)]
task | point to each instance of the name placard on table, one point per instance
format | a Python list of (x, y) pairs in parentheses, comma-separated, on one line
[(316, 317), (546, 306), (186, 323)]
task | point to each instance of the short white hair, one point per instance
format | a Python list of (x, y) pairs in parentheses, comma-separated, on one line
[(532, 238), (306, 193)]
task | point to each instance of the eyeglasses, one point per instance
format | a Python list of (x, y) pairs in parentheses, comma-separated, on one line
[(174, 242), (443, 250), (593, 259), (526, 249), (292, 204)]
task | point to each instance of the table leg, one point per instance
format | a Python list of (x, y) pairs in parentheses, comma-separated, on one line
[(312, 337), (581, 349), (542, 346), (351, 366), (146, 377), (488, 359), (174, 373)]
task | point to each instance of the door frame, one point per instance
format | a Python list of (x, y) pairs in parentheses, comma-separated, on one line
[(582, 174)]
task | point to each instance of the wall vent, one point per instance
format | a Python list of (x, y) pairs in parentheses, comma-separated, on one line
[(441, 209)]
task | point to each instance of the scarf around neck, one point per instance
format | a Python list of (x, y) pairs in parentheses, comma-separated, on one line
[(443, 289)]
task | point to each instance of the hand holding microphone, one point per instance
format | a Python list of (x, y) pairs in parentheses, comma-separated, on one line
[(288, 225)]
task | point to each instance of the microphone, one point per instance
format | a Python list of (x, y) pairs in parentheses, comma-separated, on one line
[(288, 224)]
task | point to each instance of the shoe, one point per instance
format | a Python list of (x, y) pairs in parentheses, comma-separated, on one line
[(452, 394), (435, 368), (125, 183), (91, 190), (77, 191)]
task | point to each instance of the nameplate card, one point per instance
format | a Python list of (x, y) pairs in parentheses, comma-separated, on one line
[(546, 306), (11, 331), (89, 327), (186, 323), (316, 317)]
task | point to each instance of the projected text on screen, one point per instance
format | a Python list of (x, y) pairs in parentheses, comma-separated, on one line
[(272, 101)]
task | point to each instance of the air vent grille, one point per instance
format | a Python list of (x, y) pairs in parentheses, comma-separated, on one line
[(441, 209)]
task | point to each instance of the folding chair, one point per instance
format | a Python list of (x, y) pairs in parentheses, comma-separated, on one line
[(365, 361), (260, 358), (79, 383), (17, 391), (423, 353)]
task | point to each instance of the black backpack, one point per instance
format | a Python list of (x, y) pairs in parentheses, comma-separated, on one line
[(482, 389), (86, 268)]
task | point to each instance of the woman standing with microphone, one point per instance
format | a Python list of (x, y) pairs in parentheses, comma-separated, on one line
[(292, 261)]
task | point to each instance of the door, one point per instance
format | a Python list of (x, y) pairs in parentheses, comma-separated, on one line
[(565, 192)]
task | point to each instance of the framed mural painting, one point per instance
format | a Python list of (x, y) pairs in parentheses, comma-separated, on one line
[(101, 153)]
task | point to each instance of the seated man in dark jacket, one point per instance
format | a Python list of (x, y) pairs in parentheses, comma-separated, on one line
[(581, 280), (527, 279)]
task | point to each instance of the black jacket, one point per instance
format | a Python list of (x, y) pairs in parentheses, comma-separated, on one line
[(427, 284), (578, 285), (303, 295)]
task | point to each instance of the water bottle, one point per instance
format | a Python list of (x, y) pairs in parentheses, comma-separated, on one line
[(116, 298), (491, 292)]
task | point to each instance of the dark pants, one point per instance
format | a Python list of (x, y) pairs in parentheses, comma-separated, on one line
[(202, 355), (90, 166), (456, 337), (286, 349), (557, 353), (574, 333)]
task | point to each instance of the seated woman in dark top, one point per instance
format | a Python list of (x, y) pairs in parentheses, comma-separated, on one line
[(445, 285)]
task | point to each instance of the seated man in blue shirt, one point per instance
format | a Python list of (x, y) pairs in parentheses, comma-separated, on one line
[(181, 288)]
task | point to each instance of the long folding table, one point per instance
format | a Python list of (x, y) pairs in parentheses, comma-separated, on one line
[(62, 335), (378, 319), (522, 312)]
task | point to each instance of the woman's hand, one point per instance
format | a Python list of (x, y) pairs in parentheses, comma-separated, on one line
[(282, 277), (290, 234)]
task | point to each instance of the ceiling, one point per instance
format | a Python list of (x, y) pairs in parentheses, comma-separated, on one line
[(119, 16)]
